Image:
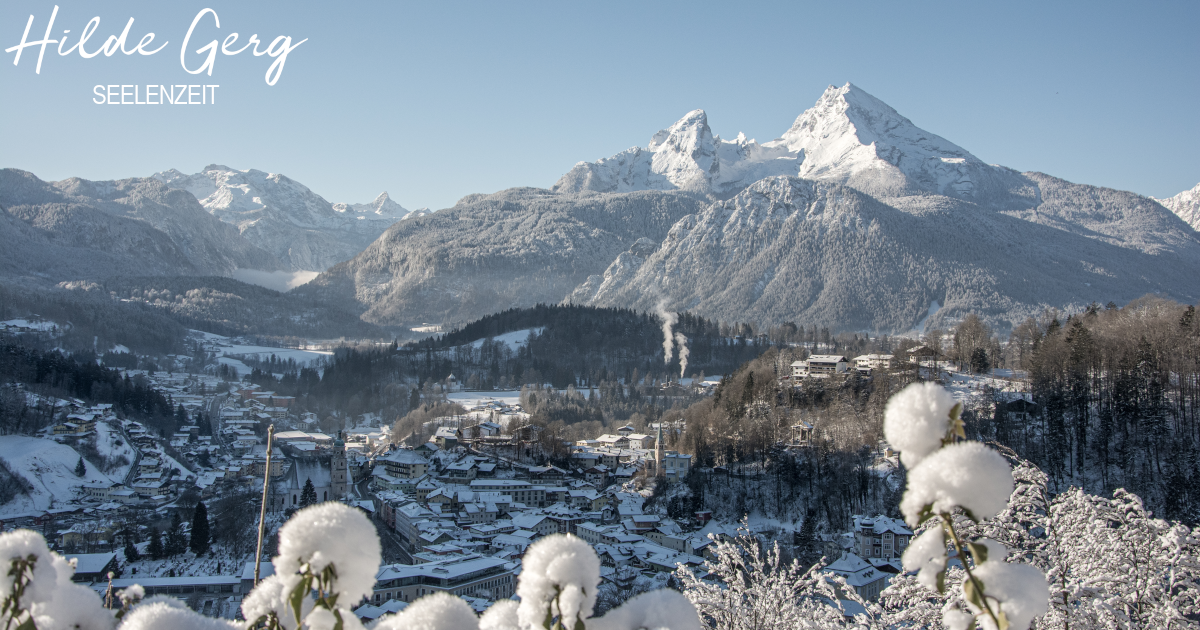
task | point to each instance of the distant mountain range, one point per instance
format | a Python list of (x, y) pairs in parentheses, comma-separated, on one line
[(853, 218), (77, 229), (282, 216)]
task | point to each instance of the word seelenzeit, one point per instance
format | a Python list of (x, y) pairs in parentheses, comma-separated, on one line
[(155, 95), (278, 49)]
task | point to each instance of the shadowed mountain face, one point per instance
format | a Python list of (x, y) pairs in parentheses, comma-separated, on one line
[(79, 229), (518, 247), (790, 249)]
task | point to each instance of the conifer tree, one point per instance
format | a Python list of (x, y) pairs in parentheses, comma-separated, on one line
[(200, 530), (176, 542), (131, 552), (806, 540), (308, 496), (80, 468), (156, 545)]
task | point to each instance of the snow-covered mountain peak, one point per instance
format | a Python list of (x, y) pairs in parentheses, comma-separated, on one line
[(285, 217), (852, 137), (848, 136), (684, 153), (381, 208), (684, 156), (1186, 205)]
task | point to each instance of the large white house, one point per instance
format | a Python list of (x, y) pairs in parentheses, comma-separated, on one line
[(820, 365), (873, 361)]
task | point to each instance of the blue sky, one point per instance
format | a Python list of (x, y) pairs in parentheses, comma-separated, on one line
[(437, 100)]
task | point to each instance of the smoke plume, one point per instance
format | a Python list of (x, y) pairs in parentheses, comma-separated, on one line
[(681, 341), (668, 322)]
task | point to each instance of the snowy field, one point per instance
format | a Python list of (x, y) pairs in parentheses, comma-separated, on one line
[(107, 439), (474, 399), (281, 281), (513, 340), (228, 350), (49, 467)]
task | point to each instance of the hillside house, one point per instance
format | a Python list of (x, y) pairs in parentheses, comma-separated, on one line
[(868, 362), (827, 364), (1019, 410), (865, 579), (446, 438), (880, 537)]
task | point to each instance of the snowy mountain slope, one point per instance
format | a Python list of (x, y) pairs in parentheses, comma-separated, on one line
[(598, 288), (790, 249), (853, 138), (49, 467), (76, 229), (848, 137), (1185, 205), (684, 156), (518, 247), (1122, 218), (284, 217)]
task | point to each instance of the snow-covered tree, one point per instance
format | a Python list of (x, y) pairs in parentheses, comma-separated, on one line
[(947, 474), (758, 590)]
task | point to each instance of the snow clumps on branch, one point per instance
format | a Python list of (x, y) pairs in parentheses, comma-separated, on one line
[(916, 420), (968, 475), (37, 591), (328, 559), (923, 422), (328, 549), (560, 576), (440, 611)]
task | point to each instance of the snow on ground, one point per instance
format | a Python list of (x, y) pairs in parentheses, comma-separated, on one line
[(474, 399), (242, 368), (169, 462), (106, 442), (281, 281), (50, 469), (44, 326), (216, 562), (934, 307), (514, 339), (964, 385), (227, 347)]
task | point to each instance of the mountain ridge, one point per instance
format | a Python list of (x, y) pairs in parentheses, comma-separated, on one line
[(1185, 205), (285, 217), (790, 249)]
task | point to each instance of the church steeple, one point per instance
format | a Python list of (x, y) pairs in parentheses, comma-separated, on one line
[(658, 452)]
